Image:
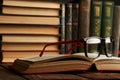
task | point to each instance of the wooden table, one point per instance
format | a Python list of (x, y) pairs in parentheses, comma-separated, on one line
[(6, 74)]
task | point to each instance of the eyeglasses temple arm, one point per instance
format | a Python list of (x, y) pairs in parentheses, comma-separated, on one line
[(57, 43)]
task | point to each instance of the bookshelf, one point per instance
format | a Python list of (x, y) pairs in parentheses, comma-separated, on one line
[(47, 20)]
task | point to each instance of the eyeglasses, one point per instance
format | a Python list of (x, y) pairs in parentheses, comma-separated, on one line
[(101, 46), (104, 45)]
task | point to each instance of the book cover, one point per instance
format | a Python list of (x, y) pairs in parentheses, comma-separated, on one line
[(62, 28), (107, 18), (13, 10), (13, 38), (95, 22), (84, 20), (68, 25), (29, 29), (116, 29), (75, 18), (1, 55), (117, 2), (42, 20), (30, 3), (26, 46)]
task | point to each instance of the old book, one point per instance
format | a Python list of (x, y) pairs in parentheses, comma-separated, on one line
[(65, 63), (68, 25), (31, 3), (29, 29), (62, 28), (117, 2), (75, 18), (29, 11), (9, 56), (29, 38), (95, 22), (116, 29), (107, 18), (26, 46), (7, 19), (84, 19)]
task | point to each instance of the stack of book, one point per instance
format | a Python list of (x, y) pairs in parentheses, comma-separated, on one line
[(26, 26)]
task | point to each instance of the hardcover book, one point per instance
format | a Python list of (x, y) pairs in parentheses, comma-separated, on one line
[(84, 20), (95, 22), (116, 29), (75, 18), (30, 3), (65, 63), (28, 38), (68, 25), (10, 19), (29, 29), (62, 28), (29, 11), (107, 18)]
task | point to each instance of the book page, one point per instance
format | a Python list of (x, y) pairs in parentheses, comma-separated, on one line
[(107, 60), (38, 58), (49, 58), (102, 58)]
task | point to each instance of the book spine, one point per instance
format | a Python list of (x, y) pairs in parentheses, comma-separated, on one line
[(68, 25), (1, 55), (75, 12), (84, 20), (117, 2), (95, 22), (116, 29), (62, 28), (96, 14), (107, 18), (0, 6)]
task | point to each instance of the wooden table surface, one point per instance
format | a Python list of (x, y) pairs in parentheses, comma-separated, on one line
[(6, 74)]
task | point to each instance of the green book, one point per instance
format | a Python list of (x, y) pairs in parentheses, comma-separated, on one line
[(95, 22), (107, 18)]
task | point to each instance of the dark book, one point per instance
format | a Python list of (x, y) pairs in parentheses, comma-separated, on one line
[(84, 20), (68, 25), (116, 29), (1, 55), (75, 17), (95, 22), (117, 2), (62, 28), (107, 18)]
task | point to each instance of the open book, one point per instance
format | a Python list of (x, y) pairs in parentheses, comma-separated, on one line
[(65, 63)]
